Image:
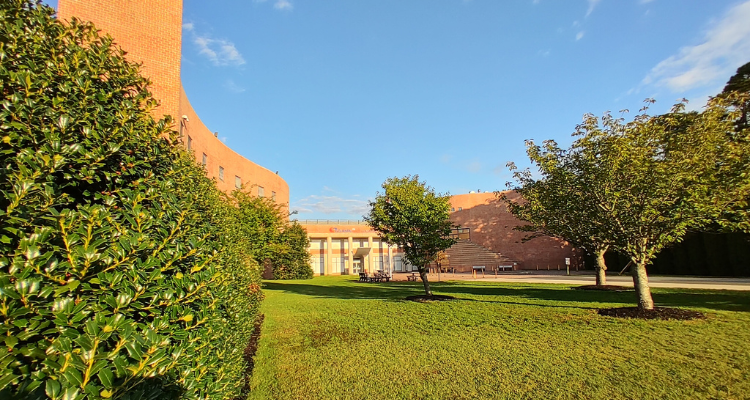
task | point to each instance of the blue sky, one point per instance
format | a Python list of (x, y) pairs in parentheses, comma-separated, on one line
[(339, 95)]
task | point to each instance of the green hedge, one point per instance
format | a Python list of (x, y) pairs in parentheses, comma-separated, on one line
[(123, 271)]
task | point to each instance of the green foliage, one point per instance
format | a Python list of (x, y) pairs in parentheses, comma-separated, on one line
[(272, 239), (293, 259), (118, 278), (642, 184), (414, 217)]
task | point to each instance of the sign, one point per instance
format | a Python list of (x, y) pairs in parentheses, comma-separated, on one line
[(567, 261)]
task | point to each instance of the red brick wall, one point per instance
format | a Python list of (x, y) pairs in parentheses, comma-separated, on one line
[(151, 33), (492, 227)]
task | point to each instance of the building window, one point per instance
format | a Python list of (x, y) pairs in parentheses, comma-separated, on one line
[(261, 191), (205, 159), (237, 182), (273, 195), (453, 209), (190, 143), (460, 208), (221, 173)]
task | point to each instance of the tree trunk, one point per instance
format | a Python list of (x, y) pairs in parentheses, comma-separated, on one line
[(425, 282), (601, 267), (640, 280)]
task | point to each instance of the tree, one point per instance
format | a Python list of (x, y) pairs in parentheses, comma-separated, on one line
[(740, 83), (414, 217), (664, 171), (272, 239), (569, 200)]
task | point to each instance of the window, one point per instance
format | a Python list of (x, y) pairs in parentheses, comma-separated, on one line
[(460, 208), (205, 159), (237, 182), (190, 143), (273, 195), (453, 209), (221, 173), (261, 191)]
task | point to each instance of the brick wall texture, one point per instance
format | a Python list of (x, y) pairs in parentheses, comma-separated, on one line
[(492, 227), (150, 31)]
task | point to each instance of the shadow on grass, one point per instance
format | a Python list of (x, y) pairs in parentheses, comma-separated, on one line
[(397, 291)]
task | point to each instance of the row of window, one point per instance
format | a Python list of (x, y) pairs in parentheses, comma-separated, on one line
[(237, 179), (459, 209)]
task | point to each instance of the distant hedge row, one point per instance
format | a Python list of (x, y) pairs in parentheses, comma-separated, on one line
[(701, 254), (124, 272)]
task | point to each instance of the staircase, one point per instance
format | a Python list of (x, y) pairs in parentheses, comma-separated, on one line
[(465, 254)]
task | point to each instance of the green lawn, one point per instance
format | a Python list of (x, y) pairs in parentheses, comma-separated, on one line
[(335, 338)]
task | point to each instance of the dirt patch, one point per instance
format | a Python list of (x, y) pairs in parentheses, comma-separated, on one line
[(605, 288), (426, 299), (656, 313)]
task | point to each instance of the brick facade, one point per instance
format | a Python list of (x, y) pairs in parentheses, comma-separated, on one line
[(151, 33), (492, 227)]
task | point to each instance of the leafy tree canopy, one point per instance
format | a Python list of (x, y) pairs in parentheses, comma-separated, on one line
[(411, 215)]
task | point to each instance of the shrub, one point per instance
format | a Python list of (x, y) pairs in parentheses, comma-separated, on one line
[(122, 273), (272, 239)]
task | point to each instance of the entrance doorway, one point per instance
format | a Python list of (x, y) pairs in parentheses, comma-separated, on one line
[(357, 266)]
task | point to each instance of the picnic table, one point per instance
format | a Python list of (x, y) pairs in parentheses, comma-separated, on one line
[(378, 277)]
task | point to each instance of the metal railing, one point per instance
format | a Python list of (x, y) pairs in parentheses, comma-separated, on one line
[(460, 233)]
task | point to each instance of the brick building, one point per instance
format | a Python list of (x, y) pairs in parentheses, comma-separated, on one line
[(485, 238), (151, 33)]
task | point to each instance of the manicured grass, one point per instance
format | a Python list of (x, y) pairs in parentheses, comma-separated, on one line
[(335, 338)]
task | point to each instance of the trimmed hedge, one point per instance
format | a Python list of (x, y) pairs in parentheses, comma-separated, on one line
[(123, 271)]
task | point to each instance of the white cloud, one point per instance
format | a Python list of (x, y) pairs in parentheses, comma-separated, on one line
[(283, 5), (474, 167), (188, 26), (592, 5), (543, 53), (579, 35), (646, 1), (231, 86), (725, 46), (331, 205), (219, 51)]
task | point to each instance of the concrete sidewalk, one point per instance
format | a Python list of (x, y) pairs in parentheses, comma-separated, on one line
[(587, 278)]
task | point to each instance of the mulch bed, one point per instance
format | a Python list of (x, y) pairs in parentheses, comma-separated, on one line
[(605, 288), (426, 299), (656, 313)]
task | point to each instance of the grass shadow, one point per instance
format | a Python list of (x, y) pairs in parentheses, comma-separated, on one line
[(351, 289)]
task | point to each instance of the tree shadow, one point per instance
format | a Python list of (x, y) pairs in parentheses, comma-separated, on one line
[(352, 290), (724, 300)]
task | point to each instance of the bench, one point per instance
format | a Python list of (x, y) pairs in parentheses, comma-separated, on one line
[(503, 267), (476, 268), (412, 277)]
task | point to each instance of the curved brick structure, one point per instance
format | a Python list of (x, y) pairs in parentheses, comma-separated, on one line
[(492, 227), (151, 33)]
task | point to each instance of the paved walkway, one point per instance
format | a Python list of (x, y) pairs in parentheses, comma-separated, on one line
[(587, 278)]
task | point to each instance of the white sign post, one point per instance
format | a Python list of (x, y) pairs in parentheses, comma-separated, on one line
[(567, 265)]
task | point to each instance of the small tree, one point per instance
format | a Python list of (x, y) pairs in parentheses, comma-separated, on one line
[(414, 217)]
